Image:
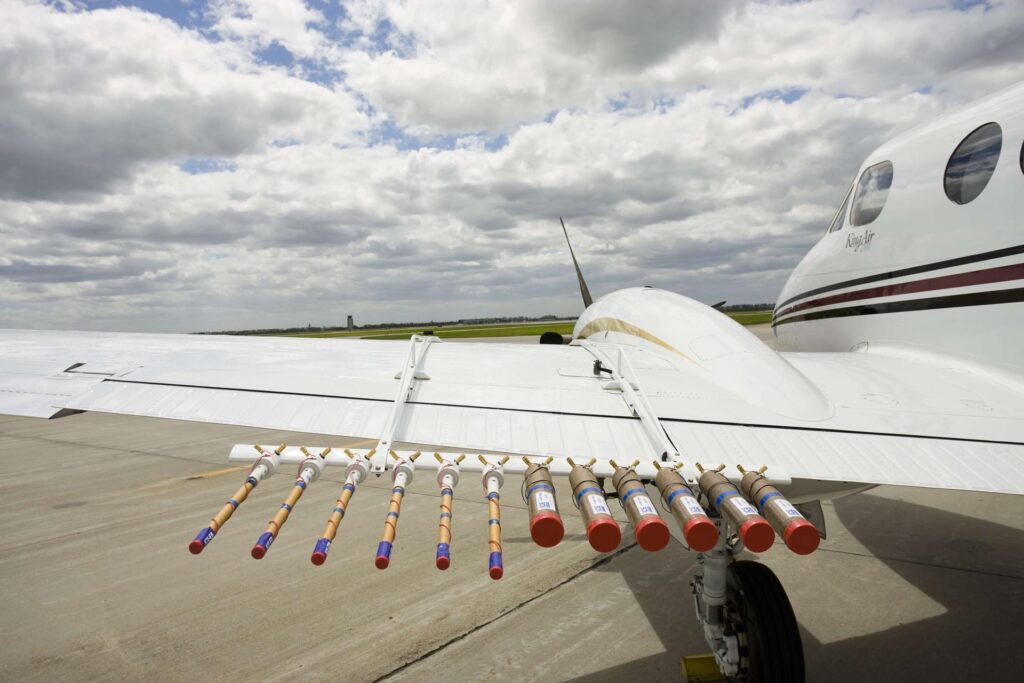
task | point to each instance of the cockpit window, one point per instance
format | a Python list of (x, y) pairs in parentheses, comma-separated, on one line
[(972, 163), (872, 189), (840, 218)]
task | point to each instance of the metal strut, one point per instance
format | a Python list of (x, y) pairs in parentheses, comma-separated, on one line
[(413, 370), (624, 379)]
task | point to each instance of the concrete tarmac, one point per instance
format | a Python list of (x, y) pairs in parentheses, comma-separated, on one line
[(97, 582)]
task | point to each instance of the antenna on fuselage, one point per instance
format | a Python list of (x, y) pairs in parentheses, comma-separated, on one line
[(587, 299)]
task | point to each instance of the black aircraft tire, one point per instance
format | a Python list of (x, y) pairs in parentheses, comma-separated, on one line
[(774, 652)]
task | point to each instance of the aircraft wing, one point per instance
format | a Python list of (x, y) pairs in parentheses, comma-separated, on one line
[(889, 419)]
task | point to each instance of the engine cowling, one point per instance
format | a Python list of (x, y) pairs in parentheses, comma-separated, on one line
[(690, 333)]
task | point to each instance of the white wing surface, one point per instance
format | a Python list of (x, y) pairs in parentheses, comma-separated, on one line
[(885, 418)]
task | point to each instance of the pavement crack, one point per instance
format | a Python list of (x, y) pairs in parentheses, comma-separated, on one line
[(512, 610), (923, 563)]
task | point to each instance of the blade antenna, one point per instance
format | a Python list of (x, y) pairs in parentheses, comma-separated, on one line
[(587, 299)]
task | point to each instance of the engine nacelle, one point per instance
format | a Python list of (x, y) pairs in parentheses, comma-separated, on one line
[(690, 333)]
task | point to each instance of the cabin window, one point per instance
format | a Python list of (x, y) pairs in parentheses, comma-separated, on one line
[(872, 189), (972, 163), (840, 218)]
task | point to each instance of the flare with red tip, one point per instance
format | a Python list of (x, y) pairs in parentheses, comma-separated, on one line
[(755, 532), (799, 535), (546, 526), (649, 528), (700, 532)]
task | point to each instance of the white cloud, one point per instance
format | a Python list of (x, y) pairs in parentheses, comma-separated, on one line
[(90, 97), (698, 178), (496, 65), (260, 23)]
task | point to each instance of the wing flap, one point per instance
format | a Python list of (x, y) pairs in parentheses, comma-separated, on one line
[(860, 458), (39, 388)]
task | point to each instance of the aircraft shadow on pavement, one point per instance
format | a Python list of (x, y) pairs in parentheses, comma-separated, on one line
[(969, 566)]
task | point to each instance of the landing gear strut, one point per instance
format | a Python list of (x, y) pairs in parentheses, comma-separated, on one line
[(746, 617)]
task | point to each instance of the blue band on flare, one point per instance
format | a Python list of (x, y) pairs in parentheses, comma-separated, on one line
[(588, 490), (494, 561), (341, 510), (631, 493), (447, 492), (765, 497), (285, 506), (384, 549), (349, 487), (672, 496), (300, 483), (206, 535), (252, 480), (447, 515), (443, 550), (393, 514), (542, 486), (492, 522), (233, 503), (398, 489), (718, 501), (322, 546), (493, 496), (265, 539)]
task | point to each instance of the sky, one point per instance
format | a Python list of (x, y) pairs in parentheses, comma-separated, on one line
[(234, 164)]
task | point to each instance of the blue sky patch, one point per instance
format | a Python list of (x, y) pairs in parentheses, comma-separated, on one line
[(787, 95), (197, 166)]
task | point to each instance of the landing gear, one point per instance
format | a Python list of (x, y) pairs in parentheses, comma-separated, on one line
[(759, 612), (747, 618)]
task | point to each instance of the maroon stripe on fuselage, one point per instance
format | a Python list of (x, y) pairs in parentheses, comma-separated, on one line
[(975, 277)]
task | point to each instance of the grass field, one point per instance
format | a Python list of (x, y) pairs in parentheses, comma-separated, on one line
[(496, 330), (751, 317), (489, 331), (449, 331)]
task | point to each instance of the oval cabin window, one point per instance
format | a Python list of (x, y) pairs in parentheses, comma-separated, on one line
[(972, 163), (872, 189)]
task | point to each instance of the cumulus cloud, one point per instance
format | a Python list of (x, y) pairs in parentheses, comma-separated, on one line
[(258, 164), (91, 97)]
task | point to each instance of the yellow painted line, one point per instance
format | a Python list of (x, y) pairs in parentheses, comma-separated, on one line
[(216, 473)]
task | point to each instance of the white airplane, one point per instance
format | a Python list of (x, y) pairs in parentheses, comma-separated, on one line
[(902, 363)]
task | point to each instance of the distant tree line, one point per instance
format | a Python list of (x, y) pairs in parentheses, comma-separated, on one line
[(749, 307), (379, 326), (442, 323)]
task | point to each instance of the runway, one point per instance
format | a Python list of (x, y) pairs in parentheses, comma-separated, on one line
[(97, 583)]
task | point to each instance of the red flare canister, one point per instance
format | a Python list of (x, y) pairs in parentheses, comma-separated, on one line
[(649, 528), (799, 534), (755, 532), (602, 531), (545, 523), (700, 532)]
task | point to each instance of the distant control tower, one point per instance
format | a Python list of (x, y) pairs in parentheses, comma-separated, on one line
[(351, 323)]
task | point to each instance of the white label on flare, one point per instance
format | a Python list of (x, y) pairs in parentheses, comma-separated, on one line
[(644, 505), (544, 501), (787, 508), (744, 508), (598, 505), (692, 506)]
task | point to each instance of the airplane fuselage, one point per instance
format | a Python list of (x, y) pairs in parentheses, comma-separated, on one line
[(934, 263)]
